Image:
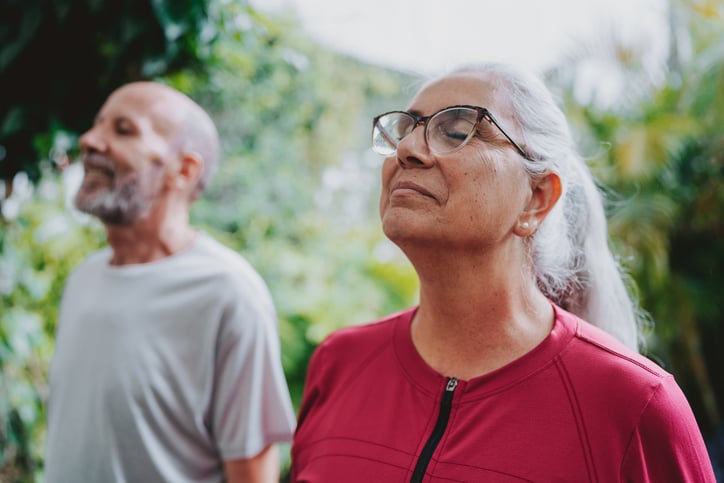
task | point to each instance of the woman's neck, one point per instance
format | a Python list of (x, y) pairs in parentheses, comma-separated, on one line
[(476, 316)]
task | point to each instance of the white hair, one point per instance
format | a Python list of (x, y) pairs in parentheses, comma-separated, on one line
[(571, 259)]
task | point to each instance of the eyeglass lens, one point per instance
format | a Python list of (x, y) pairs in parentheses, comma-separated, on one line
[(450, 129), (446, 131)]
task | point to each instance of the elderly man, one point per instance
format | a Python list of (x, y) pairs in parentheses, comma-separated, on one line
[(167, 362)]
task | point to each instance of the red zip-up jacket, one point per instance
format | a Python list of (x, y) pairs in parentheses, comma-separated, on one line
[(579, 407)]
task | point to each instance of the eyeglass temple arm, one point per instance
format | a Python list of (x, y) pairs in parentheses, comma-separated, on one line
[(500, 128)]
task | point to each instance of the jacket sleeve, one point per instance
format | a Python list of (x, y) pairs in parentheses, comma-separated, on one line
[(311, 399), (666, 445)]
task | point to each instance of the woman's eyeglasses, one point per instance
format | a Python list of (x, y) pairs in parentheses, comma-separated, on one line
[(446, 131)]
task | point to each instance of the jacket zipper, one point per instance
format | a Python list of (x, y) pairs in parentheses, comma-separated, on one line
[(437, 432)]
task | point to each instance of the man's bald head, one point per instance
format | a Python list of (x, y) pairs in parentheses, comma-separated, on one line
[(190, 127)]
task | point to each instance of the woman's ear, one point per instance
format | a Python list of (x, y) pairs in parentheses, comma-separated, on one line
[(546, 191)]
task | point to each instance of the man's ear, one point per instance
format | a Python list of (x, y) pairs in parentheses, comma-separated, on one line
[(190, 170), (546, 191)]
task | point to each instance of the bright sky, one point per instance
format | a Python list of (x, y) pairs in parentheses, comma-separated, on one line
[(429, 37), (432, 36)]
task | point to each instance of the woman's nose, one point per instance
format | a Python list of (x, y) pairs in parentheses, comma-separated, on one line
[(413, 151)]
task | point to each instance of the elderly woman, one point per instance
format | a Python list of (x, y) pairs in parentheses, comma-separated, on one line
[(520, 362)]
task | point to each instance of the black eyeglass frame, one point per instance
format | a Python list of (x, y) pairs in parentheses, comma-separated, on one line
[(424, 120)]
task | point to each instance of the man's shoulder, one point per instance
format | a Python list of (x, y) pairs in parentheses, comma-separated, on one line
[(94, 261), (226, 271), (222, 260)]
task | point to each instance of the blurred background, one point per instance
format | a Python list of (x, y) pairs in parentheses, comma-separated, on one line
[(293, 85)]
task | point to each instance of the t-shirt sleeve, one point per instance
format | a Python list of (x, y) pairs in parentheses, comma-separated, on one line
[(667, 444), (251, 403)]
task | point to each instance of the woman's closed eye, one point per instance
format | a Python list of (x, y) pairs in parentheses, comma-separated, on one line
[(457, 130)]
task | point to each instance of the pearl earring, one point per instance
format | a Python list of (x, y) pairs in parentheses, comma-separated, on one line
[(525, 225)]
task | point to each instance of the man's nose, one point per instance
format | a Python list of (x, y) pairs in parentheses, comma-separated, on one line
[(92, 140)]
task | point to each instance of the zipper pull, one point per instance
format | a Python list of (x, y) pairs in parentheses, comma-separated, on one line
[(452, 383)]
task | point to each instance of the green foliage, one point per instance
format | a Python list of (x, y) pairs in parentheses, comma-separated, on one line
[(297, 188), (59, 59), (38, 248), (291, 115), (287, 111), (663, 157)]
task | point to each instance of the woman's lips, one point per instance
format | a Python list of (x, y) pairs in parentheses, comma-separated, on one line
[(403, 187)]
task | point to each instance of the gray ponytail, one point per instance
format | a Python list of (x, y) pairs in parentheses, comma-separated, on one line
[(571, 259)]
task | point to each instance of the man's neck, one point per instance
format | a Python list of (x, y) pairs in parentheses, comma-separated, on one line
[(149, 240)]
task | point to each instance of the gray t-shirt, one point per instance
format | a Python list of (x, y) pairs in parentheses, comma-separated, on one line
[(164, 370)]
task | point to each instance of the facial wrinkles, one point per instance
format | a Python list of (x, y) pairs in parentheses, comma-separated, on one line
[(425, 174), (476, 89), (125, 177), (478, 158)]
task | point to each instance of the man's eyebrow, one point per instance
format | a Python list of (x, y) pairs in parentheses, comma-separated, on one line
[(100, 117), (123, 119)]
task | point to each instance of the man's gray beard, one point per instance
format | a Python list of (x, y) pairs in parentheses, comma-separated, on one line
[(122, 205)]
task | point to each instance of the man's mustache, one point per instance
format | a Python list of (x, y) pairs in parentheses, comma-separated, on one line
[(98, 161)]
